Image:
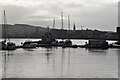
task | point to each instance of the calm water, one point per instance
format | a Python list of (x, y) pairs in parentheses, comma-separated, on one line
[(59, 62)]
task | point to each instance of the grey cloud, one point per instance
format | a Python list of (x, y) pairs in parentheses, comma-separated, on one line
[(100, 17), (92, 15), (16, 14)]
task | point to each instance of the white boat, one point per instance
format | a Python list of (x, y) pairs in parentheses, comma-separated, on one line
[(4, 45)]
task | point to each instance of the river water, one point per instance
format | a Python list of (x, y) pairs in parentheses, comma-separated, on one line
[(57, 62)]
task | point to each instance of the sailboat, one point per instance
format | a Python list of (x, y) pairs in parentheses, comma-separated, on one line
[(4, 45), (61, 43), (68, 42)]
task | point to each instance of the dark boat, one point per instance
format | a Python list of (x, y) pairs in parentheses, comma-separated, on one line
[(98, 44), (3, 45), (29, 44), (47, 39)]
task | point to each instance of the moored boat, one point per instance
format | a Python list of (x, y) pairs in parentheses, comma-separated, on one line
[(101, 44), (7, 45), (29, 44), (4, 45)]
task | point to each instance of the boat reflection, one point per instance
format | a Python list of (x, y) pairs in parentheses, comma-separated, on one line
[(5, 61), (97, 51)]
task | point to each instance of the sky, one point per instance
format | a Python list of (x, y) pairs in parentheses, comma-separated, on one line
[(92, 14)]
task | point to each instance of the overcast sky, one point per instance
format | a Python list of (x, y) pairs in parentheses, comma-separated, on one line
[(92, 14)]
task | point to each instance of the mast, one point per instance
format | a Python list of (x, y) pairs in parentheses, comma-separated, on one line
[(4, 25), (62, 19), (54, 23), (68, 22), (74, 28), (68, 27)]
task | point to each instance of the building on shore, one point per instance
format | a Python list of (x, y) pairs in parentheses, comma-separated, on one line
[(118, 33)]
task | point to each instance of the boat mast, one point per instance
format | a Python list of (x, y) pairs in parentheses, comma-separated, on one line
[(68, 22), (54, 23), (5, 27), (74, 28), (62, 19), (68, 27)]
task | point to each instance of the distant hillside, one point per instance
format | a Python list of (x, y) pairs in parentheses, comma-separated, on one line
[(23, 31), (84, 34), (29, 31)]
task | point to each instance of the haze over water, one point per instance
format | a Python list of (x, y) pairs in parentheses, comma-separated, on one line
[(57, 62)]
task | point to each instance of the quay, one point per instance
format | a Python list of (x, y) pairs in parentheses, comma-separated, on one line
[(71, 46)]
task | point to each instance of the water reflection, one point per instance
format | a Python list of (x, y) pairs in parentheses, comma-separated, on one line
[(53, 62), (28, 49), (68, 61), (97, 51), (5, 59), (118, 63), (60, 63), (62, 60)]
